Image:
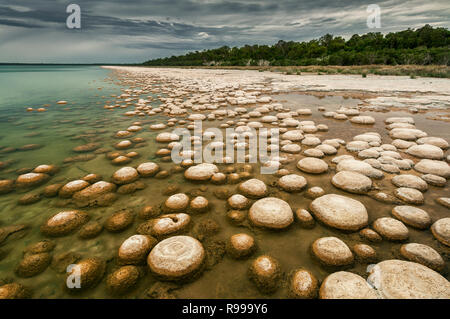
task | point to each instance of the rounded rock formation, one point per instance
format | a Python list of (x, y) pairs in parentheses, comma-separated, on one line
[(265, 273), (312, 165), (346, 285), (397, 279), (176, 258), (253, 188), (412, 216), (292, 183), (391, 229), (332, 251), (423, 254), (441, 230), (352, 182), (63, 223), (272, 213), (240, 246), (303, 285)]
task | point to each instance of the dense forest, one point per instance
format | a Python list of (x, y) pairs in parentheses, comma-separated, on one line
[(423, 46)]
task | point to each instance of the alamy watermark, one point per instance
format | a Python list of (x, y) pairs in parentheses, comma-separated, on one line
[(374, 18), (73, 21)]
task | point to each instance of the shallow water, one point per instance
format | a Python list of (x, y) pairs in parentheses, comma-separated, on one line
[(84, 120)]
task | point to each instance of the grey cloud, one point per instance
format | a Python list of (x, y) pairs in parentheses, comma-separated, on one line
[(144, 29)]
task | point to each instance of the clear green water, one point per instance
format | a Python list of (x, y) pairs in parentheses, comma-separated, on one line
[(84, 120)]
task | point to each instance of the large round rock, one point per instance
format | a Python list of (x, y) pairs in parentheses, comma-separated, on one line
[(340, 212), (352, 182), (271, 212), (397, 279), (64, 223), (176, 258), (346, 285)]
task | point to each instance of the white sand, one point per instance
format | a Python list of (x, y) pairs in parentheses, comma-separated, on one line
[(390, 90)]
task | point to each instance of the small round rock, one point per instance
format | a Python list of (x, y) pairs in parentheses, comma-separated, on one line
[(346, 285), (391, 229), (303, 285), (312, 165), (332, 251), (272, 213), (265, 273)]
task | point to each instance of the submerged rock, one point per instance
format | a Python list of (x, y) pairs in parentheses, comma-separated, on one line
[(352, 182), (240, 246), (34, 264), (123, 280), (14, 291), (265, 272), (423, 254), (90, 270), (346, 285), (303, 284), (332, 251), (63, 223), (176, 258)]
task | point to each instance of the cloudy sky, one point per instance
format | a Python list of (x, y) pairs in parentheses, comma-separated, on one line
[(129, 31)]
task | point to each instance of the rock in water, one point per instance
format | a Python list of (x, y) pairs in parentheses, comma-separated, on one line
[(346, 285), (176, 258), (397, 279), (352, 182), (340, 212), (271, 212), (265, 273), (441, 230), (63, 223), (332, 251)]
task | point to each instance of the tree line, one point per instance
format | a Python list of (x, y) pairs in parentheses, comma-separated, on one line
[(423, 46)]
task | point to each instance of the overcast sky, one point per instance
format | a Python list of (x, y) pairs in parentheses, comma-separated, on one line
[(136, 30)]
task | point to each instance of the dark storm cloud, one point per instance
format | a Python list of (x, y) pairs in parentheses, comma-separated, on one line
[(136, 30)]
